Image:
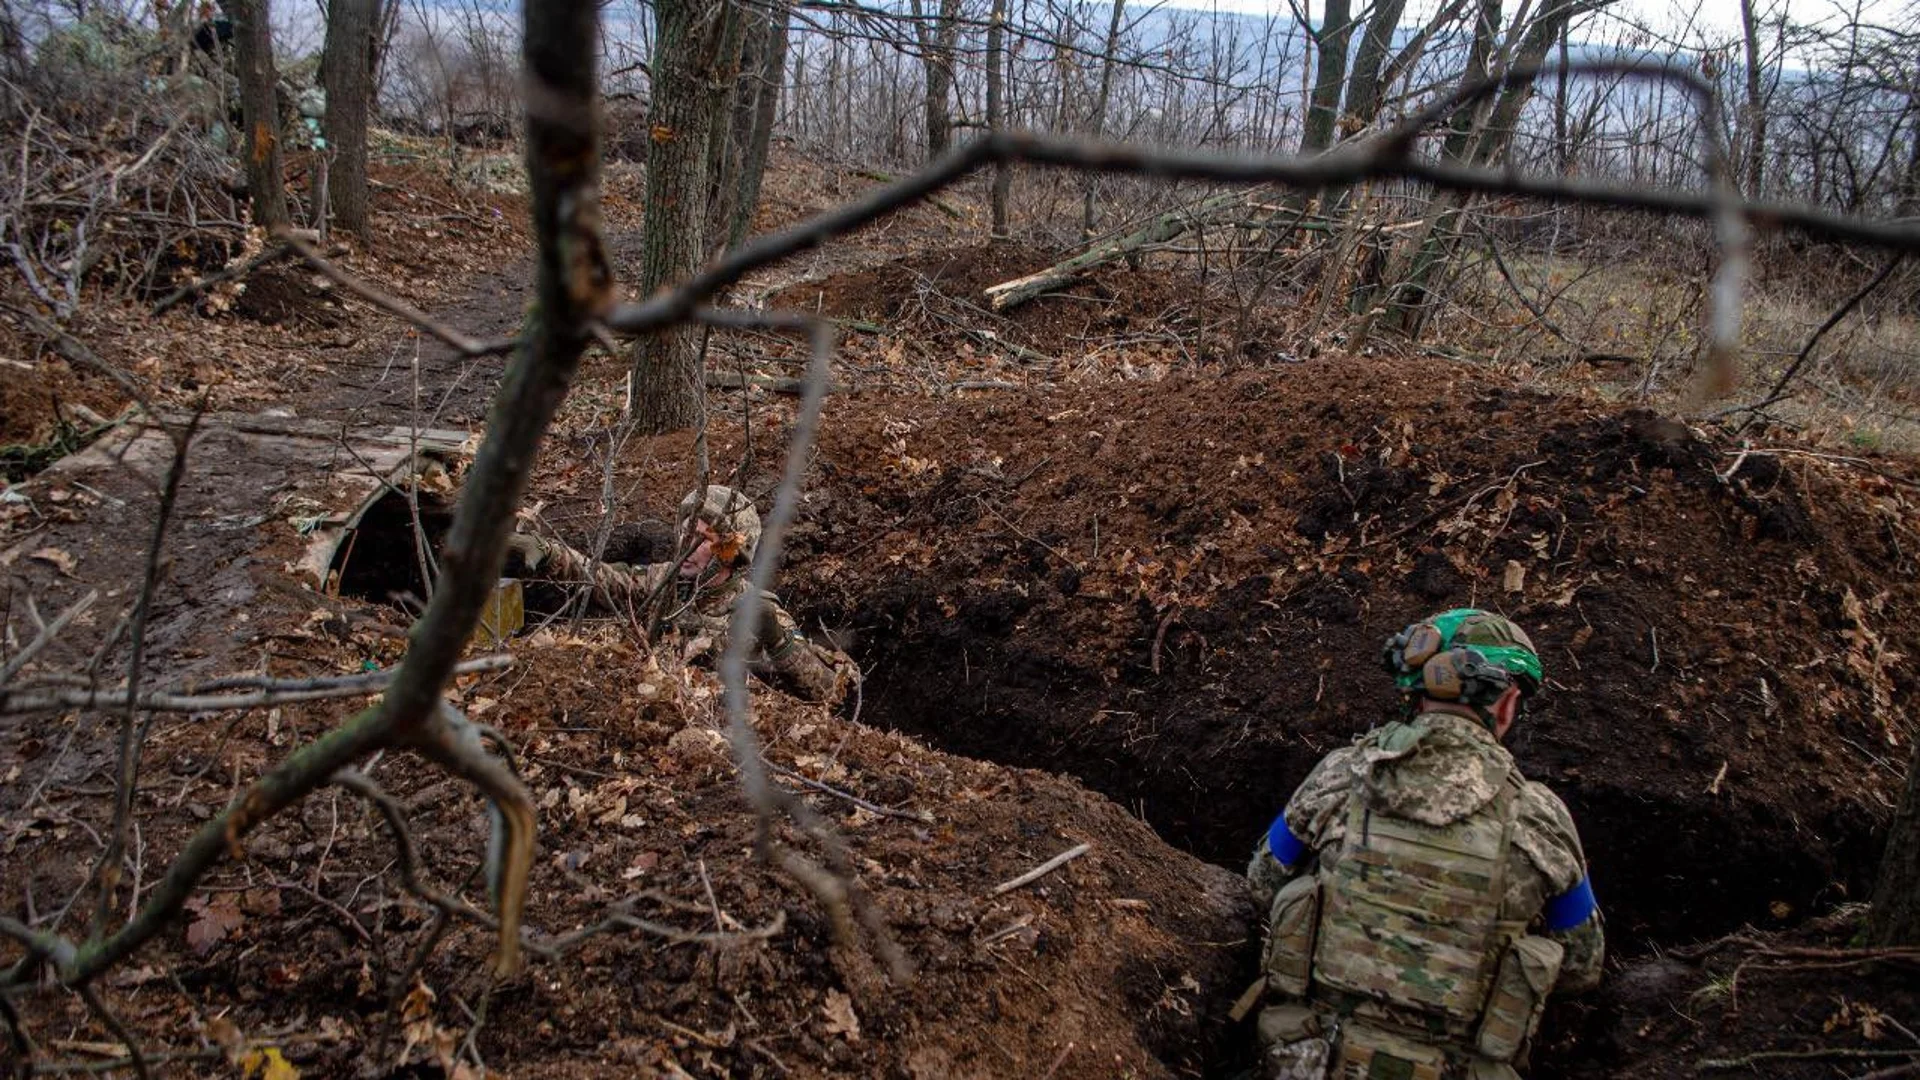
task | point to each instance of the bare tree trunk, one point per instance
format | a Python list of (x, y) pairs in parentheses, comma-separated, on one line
[(1365, 88), (1894, 919), (1330, 74), (996, 109), (1562, 147), (1908, 204), (346, 72), (724, 143), (1481, 145), (1100, 103), (1486, 28), (1756, 118), (765, 98), (259, 111), (666, 368), (937, 44), (13, 44)]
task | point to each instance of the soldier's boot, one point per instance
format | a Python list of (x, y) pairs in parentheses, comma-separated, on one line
[(1292, 1044)]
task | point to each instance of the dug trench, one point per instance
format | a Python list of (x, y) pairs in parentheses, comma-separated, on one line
[(1177, 592)]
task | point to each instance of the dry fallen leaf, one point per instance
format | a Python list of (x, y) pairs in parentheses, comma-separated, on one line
[(268, 1064), (840, 1017), (57, 557), (212, 921), (1515, 578)]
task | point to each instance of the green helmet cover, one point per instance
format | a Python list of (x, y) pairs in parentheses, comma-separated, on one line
[(1495, 637)]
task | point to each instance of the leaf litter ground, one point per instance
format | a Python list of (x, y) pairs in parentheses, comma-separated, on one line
[(1167, 587)]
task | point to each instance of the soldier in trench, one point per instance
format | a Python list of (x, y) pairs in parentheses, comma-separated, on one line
[(723, 528), (1423, 897)]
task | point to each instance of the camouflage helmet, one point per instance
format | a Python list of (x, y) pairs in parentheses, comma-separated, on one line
[(1493, 638), (729, 512)]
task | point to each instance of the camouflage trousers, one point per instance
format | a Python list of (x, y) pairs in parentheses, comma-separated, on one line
[(1298, 1044)]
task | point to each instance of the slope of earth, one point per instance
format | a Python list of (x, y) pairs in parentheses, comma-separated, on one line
[(1120, 963), (931, 303), (1176, 591)]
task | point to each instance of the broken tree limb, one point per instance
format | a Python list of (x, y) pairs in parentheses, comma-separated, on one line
[(238, 270), (1042, 870), (1168, 226), (773, 384)]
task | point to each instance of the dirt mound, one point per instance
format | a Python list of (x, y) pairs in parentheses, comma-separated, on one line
[(286, 295), (1121, 962), (1176, 591), (935, 297)]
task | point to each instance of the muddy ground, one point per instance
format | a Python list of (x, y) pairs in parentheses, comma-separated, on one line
[(1125, 598)]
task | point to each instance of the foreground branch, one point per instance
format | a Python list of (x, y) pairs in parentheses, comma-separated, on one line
[(574, 287), (1348, 165), (202, 698)]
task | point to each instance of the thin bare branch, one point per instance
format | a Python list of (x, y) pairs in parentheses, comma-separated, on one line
[(392, 305), (45, 637), (203, 698)]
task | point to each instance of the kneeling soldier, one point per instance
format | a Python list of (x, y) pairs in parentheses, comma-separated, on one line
[(1423, 897)]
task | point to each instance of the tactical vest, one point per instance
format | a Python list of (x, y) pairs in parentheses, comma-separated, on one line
[(1397, 944), (1410, 913)]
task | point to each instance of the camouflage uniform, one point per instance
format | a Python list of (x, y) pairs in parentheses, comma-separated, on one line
[(1400, 843), (701, 610)]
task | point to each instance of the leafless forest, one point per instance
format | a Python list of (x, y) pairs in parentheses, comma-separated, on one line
[(1108, 376)]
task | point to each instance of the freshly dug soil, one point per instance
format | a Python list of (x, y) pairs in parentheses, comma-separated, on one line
[(1172, 592), (936, 297), (1177, 592), (1122, 962)]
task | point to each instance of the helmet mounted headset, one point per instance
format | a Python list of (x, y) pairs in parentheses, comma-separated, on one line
[(1464, 656)]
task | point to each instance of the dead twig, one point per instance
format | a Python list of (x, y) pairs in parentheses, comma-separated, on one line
[(446, 335), (239, 270), (1780, 385), (202, 698), (836, 890), (46, 635), (1042, 870), (136, 1059), (1160, 635), (920, 816), (1820, 1053), (106, 873)]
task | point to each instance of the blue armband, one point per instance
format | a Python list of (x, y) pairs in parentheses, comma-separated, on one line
[(1571, 908), (1287, 849)]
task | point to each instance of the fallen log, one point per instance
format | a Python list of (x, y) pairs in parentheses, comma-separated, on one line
[(1168, 226), (773, 384)]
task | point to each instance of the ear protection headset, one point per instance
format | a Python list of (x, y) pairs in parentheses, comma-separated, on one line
[(1463, 675), (1421, 662)]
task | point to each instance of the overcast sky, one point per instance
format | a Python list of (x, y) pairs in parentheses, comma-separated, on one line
[(1714, 20)]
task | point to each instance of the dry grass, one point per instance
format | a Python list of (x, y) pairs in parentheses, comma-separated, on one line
[(1626, 330)]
